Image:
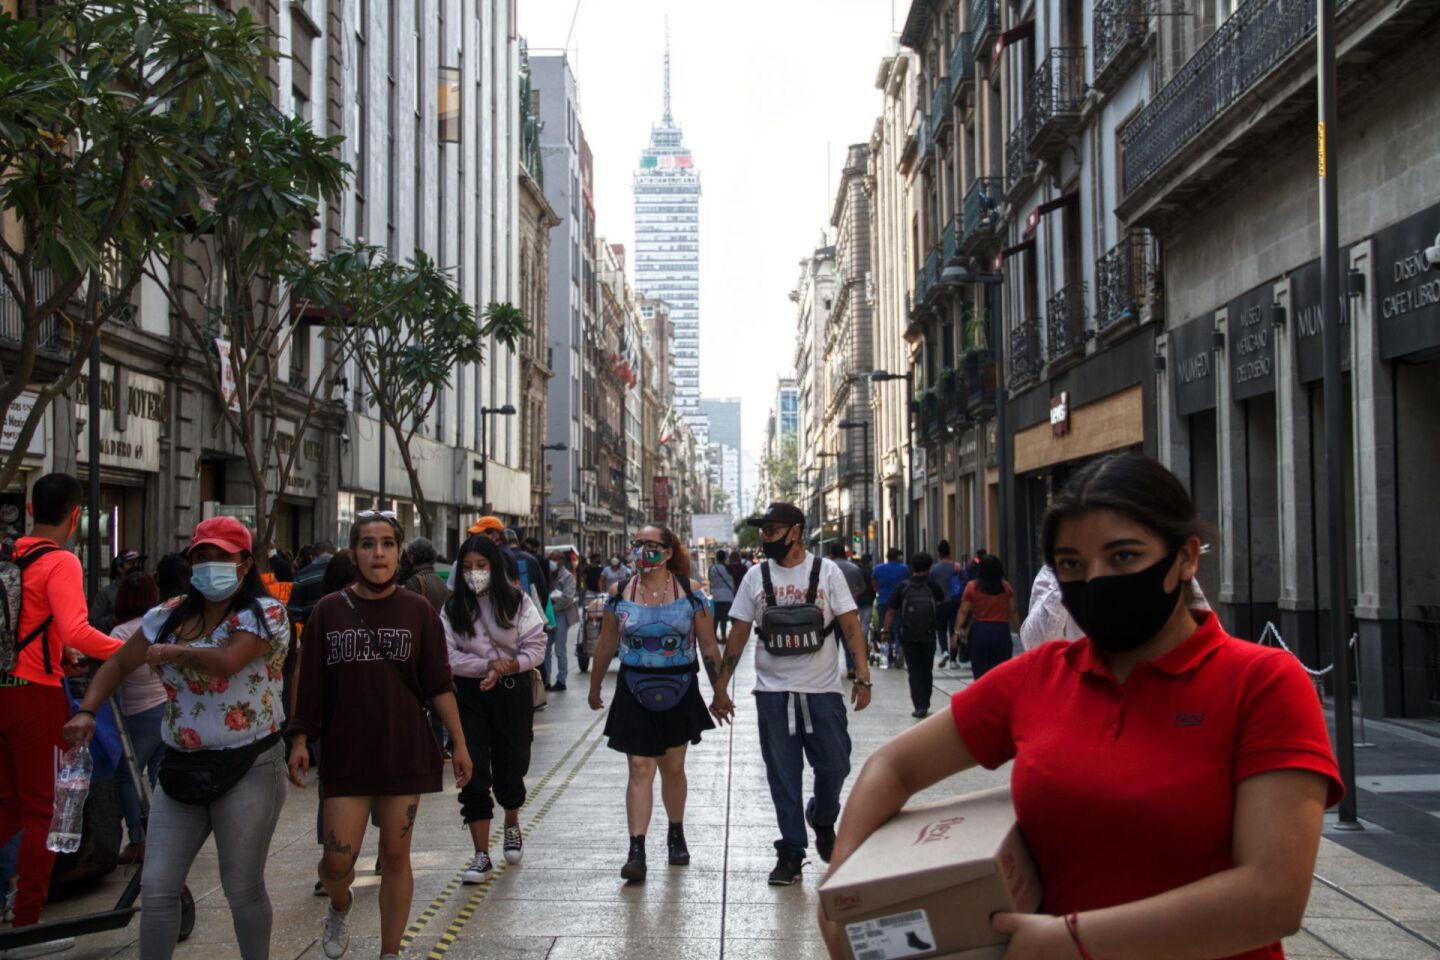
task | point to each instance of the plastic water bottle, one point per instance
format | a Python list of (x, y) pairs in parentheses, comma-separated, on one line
[(72, 786)]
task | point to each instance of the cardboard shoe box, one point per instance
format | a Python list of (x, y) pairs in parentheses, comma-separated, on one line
[(926, 883)]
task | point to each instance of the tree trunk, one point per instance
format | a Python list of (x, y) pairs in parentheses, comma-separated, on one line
[(426, 511)]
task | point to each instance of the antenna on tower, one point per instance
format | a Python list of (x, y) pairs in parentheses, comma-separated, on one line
[(667, 71)]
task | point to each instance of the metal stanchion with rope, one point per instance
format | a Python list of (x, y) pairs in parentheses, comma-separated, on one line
[(1272, 633)]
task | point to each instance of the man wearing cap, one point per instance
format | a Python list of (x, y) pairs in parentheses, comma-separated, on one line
[(102, 608), (792, 599)]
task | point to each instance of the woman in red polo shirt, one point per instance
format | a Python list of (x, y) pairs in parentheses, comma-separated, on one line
[(1169, 779)]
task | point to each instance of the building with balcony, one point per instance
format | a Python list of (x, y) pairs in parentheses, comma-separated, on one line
[(892, 161), (1220, 165), (814, 297)]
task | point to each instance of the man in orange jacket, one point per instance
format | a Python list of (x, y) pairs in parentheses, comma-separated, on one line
[(33, 707)]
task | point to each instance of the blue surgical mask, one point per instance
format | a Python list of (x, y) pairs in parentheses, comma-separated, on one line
[(217, 580)]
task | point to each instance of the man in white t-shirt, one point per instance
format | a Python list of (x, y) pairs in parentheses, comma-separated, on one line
[(798, 695)]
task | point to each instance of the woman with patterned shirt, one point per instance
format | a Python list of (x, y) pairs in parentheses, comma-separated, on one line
[(218, 650)]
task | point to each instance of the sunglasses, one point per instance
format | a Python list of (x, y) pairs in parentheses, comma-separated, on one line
[(647, 545), (374, 514), (771, 529)]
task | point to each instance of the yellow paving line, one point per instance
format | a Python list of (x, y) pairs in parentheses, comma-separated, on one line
[(452, 932), (433, 909)]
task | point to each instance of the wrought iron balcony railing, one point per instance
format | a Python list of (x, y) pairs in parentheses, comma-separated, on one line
[(1025, 359), (1125, 279), (1055, 98), (1119, 27), (1020, 165), (949, 248), (927, 278), (984, 19), (980, 380), (962, 63), (1241, 52), (981, 210), (940, 107), (1065, 328)]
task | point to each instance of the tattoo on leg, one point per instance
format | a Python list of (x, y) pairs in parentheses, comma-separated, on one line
[(333, 847), (410, 812)]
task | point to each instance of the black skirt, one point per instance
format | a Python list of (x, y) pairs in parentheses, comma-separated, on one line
[(638, 732)]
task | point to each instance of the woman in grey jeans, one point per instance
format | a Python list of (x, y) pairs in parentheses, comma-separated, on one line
[(219, 650)]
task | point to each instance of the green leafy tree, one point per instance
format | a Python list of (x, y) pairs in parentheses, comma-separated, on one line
[(781, 471), (414, 329), (97, 103), (747, 536), (240, 281)]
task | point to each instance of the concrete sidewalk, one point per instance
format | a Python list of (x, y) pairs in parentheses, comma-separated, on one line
[(566, 900)]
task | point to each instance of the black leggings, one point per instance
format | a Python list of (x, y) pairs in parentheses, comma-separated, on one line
[(990, 646), (499, 726)]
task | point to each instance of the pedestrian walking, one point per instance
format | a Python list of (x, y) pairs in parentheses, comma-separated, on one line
[(306, 590), (613, 574), (102, 605), (949, 577), (495, 637), (1199, 765), (791, 599), (142, 698), (51, 616), (660, 626), (859, 586), (374, 656), (423, 579), (722, 592), (988, 606), (565, 604), (885, 579), (917, 604), (219, 650), (172, 575)]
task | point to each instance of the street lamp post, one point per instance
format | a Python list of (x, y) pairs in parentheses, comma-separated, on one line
[(508, 410), (864, 427), (544, 487), (884, 376)]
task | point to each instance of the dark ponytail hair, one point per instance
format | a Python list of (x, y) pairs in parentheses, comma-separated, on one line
[(1134, 486), (990, 575), (463, 606)]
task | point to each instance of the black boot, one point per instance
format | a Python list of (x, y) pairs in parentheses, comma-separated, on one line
[(675, 840), (634, 868)]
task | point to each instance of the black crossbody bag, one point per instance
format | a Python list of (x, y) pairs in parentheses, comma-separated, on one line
[(796, 629)]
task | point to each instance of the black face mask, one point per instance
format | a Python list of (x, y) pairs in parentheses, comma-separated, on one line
[(1122, 612), (777, 550)]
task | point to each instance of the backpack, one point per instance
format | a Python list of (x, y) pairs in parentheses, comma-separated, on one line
[(796, 629), (918, 611), (12, 573)]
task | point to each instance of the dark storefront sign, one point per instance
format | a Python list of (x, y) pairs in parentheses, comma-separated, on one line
[(1407, 288), (1192, 366), (1308, 324), (1252, 343)]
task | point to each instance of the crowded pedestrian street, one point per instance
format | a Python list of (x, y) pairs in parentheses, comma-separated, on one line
[(566, 900)]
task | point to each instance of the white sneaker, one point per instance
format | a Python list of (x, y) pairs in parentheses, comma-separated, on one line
[(335, 931), (514, 845), (38, 949), (479, 868), (7, 913)]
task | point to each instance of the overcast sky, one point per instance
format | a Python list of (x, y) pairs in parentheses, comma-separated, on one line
[(763, 89)]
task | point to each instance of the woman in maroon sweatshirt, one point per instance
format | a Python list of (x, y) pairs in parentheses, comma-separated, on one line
[(373, 656)]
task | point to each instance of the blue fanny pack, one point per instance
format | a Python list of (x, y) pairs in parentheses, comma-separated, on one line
[(658, 691)]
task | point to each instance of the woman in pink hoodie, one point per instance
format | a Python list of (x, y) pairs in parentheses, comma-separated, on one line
[(495, 635)]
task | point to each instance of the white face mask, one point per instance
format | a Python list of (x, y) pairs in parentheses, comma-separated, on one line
[(478, 580)]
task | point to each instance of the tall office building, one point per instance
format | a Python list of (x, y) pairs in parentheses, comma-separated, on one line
[(724, 420), (667, 247)]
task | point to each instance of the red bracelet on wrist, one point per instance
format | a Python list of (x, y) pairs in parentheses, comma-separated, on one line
[(1072, 923)]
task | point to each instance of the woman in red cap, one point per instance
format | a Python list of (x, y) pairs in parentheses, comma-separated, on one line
[(218, 649), (374, 655)]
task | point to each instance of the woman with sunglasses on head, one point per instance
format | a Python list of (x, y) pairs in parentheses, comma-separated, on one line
[(659, 623), (373, 656), (219, 650), (495, 636), (1170, 780)]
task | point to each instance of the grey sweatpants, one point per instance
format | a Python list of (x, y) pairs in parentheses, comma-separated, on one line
[(243, 821)]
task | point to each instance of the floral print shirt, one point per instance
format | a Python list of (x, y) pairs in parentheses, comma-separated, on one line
[(203, 712)]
